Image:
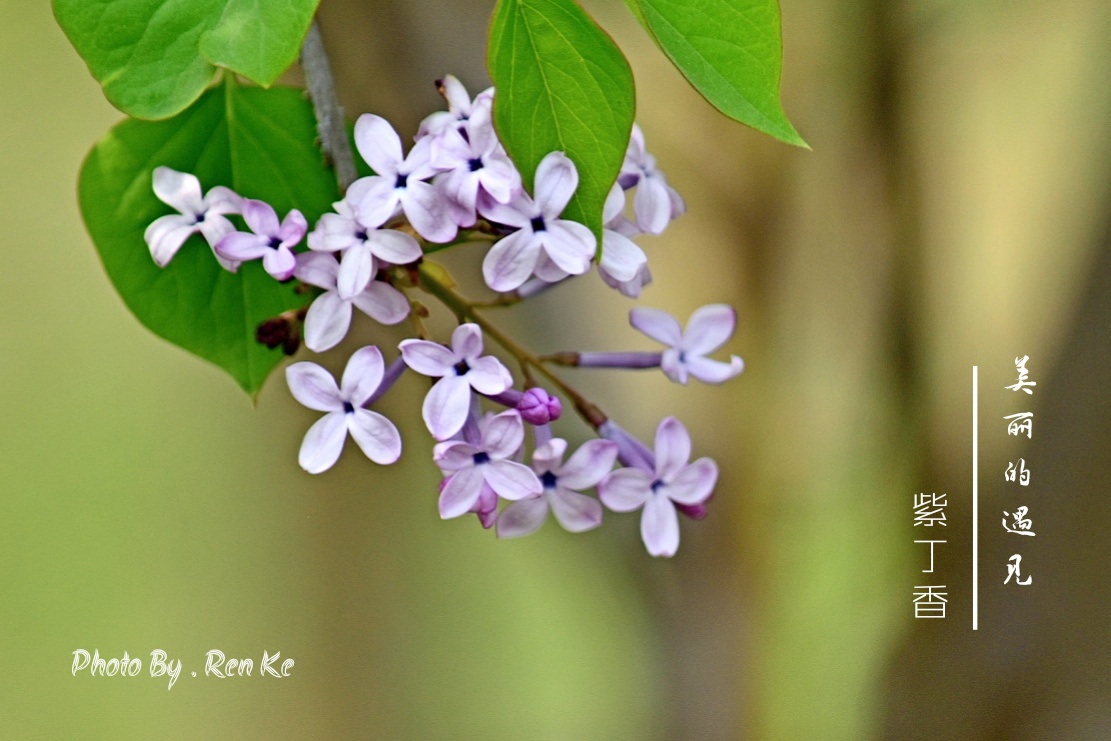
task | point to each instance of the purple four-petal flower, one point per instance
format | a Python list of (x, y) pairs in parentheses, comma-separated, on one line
[(708, 329), (271, 241)]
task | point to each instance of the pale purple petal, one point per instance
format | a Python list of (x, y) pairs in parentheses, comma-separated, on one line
[(214, 228), (445, 406), (280, 263), (317, 269), (673, 448), (466, 341), (517, 212), (428, 358), (363, 375), (625, 489), (243, 246), (709, 328), (166, 234), (378, 144), (378, 200), (382, 302), (510, 261), (376, 436), (523, 517), (323, 443), (327, 322), (511, 480), (333, 233), (621, 257), (260, 217), (694, 483), (657, 324), (393, 246), (457, 97), (427, 212), (499, 177), (454, 455), (575, 512), (460, 492), (556, 181), (293, 228), (418, 165), (356, 268), (588, 465), (547, 271), (614, 205), (488, 375), (313, 387), (659, 526), (652, 204), (503, 434), (549, 455), (178, 189), (221, 200), (570, 245), (714, 371)]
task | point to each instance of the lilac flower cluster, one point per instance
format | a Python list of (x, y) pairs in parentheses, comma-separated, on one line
[(457, 185)]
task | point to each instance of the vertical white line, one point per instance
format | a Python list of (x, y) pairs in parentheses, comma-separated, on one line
[(975, 503)]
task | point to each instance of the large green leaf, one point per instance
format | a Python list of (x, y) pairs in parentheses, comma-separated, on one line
[(155, 57), (562, 85), (730, 50), (257, 142)]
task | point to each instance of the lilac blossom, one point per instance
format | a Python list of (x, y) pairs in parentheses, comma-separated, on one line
[(271, 241), (469, 466), (329, 316), (460, 107), (364, 248), (398, 182), (624, 265), (562, 482), (554, 248), (315, 388), (203, 215), (656, 203), (460, 368), (473, 159), (673, 482), (708, 329)]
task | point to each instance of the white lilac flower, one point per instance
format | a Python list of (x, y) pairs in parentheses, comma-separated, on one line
[(398, 182), (204, 215), (624, 265), (363, 247), (708, 329), (552, 247), (656, 203), (470, 465), (562, 483), (673, 481), (329, 316), (472, 158), (315, 388), (271, 241), (460, 107), (460, 368)]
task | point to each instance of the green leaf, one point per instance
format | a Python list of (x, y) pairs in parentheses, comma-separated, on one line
[(155, 57), (562, 85), (731, 51), (257, 142)]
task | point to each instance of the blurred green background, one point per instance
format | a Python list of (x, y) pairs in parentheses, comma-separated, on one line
[(952, 212)]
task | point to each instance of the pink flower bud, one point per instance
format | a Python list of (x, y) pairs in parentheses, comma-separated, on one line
[(538, 407)]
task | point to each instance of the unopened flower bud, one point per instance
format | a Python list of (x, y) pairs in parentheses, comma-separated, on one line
[(538, 407)]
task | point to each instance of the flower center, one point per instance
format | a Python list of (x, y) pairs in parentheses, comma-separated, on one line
[(548, 479), (475, 164), (402, 180), (538, 224), (199, 218), (480, 458), (274, 243), (461, 368), (361, 235), (348, 408), (656, 486)]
